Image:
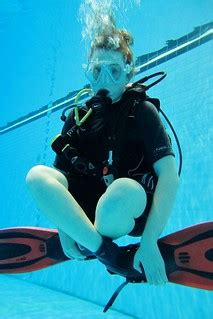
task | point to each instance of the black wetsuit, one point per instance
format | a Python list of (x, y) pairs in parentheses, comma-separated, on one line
[(143, 141)]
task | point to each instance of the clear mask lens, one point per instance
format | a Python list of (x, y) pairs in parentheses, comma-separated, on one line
[(95, 70)]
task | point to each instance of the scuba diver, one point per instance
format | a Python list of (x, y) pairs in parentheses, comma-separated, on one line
[(114, 173)]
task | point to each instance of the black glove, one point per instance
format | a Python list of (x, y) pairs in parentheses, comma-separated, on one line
[(100, 105), (100, 100)]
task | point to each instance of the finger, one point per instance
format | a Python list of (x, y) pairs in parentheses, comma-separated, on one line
[(137, 266), (77, 255), (163, 275), (150, 278), (135, 262), (154, 278), (159, 278), (81, 259), (149, 275), (162, 272), (141, 267)]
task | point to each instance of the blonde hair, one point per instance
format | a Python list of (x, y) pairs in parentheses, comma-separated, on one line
[(118, 39)]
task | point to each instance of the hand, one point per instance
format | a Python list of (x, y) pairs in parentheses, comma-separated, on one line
[(99, 104), (100, 100), (149, 256), (74, 252), (69, 246)]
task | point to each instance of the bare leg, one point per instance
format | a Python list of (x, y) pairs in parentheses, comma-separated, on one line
[(123, 201), (49, 189)]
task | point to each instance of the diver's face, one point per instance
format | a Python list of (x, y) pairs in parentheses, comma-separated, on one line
[(107, 70)]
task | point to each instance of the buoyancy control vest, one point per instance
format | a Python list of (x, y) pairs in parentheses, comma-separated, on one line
[(62, 143)]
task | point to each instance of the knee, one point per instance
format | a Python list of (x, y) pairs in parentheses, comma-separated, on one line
[(123, 195), (36, 174), (125, 184), (127, 191), (41, 174), (37, 179)]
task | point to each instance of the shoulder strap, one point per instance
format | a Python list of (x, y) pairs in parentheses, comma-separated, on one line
[(138, 93), (154, 101)]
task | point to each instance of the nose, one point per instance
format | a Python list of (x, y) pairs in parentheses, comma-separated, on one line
[(105, 78)]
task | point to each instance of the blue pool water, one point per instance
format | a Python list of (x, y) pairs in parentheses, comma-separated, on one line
[(21, 299), (41, 58)]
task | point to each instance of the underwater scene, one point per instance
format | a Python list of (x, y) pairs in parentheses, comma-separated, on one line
[(106, 159)]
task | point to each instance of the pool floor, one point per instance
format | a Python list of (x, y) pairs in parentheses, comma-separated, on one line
[(22, 300)]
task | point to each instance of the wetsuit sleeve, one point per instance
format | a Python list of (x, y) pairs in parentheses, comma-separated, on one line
[(60, 161), (151, 133)]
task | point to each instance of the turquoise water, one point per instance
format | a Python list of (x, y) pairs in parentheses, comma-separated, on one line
[(42, 55), (22, 299)]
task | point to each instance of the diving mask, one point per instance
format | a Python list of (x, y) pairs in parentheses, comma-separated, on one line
[(95, 71)]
